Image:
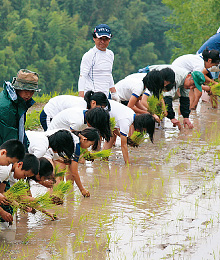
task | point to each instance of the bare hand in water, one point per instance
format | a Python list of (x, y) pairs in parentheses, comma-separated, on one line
[(176, 123), (85, 193), (187, 122)]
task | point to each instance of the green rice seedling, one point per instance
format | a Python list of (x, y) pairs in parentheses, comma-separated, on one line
[(43, 200), (96, 182), (33, 120), (108, 236), (135, 200), (17, 196), (54, 238), (112, 123), (162, 181), (91, 156), (15, 193), (59, 172), (149, 192), (62, 188), (3, 249), (26, 255), (157, 106), (167, 159), (71, 226), (27, 237), (138, 175), (40, 203), (215, 88), (97, 244), (153, 165), (135, 253), (136, 139)]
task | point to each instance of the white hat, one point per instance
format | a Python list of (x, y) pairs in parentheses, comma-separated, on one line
[(218, 31)]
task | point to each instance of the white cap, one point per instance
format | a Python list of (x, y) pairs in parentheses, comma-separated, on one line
[(218, 31)]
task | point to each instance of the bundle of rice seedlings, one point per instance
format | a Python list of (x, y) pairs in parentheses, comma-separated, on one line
[(156, 106), (43, 200), (59, 191), (91, 156), (18, 197), (15, 194), (58, 172), (136, 139), (112, 123), (215, 88), (40, 203)]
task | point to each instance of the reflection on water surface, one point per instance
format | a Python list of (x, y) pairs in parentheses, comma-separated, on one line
[(165, 205)]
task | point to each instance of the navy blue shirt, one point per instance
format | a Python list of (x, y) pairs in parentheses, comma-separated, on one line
[(213, 43)]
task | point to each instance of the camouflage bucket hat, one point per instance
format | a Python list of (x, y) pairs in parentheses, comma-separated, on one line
[(26, 80)]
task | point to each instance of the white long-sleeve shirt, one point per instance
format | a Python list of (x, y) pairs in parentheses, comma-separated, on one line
[(73, 118), (96, 71), (124, 116), (130, 85), (61, 102), (39, 144), (190, 62)]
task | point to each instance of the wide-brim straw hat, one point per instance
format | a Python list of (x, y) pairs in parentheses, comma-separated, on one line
[(26, 80)]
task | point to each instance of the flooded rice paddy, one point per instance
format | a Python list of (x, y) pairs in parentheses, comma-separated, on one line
[(165, 205)]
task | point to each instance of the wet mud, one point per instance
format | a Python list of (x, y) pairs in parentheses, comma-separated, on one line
[(165, 205)]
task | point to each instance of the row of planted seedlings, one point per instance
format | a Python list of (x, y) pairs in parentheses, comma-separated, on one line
[(208, 186), (174, 151), (81, 236), (80, 248)]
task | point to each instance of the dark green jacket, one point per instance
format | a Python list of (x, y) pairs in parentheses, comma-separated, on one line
[(12, 107)]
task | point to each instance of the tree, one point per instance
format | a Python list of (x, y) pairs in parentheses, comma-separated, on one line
[(145, 55), (194, 22), (51, 36)]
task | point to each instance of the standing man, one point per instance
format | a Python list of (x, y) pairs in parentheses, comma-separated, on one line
[(96, 65), (15, 99)]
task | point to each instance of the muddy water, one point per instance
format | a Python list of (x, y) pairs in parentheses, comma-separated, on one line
[(165, 205)]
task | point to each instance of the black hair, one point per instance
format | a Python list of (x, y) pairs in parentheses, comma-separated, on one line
[(99, 118), (99, 97), (211, 54), (14, 148), (168, 75), (31, 162), (46, 168), (154, 82), (62, 143), (92, 134), (170, 86), (145, 122)]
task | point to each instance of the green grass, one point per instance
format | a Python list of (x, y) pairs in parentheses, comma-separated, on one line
[(33, 117), (46, 97), (33, 120)]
